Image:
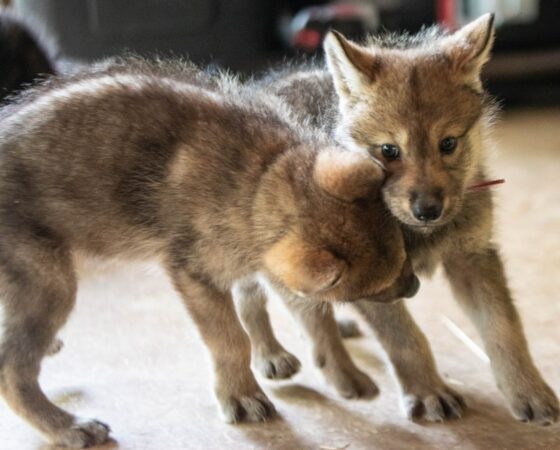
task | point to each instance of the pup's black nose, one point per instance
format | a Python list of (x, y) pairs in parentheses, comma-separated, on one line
[(427, 208)]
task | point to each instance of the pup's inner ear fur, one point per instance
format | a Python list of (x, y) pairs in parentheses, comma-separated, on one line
[(469, 48), (347, 175), (302, 267), (350, 65)]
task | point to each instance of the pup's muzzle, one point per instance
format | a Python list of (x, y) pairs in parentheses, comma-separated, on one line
[(406, 286), (412, 287)]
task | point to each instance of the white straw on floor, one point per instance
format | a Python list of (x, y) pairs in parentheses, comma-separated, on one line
[(460, 334)]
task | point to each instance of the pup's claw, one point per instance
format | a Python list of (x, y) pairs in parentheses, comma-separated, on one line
[(277, 366), (435, 406), (55, 347), (250, 408), (540, 408)]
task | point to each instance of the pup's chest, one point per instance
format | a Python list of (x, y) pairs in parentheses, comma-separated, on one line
[(428, 250), (425, 259)]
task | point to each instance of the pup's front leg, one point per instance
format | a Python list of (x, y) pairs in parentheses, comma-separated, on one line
[(424, 394), (479, 284), (213, 312)]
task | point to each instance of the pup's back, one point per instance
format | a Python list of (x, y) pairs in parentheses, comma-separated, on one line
[(88, 157)]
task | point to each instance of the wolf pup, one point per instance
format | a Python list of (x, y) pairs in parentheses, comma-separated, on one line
[(417, 104), (133, 162)]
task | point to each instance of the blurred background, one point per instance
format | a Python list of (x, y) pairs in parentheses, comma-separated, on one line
[(249, 35)]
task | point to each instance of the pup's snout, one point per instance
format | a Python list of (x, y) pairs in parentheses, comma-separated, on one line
[(412, 287), (408, 283), (426, 207)]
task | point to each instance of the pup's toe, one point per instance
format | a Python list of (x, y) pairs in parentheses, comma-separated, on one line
[(434, 405), (278, 366), (249, 408), (539, 406), (55, 347), (83, 434), (353, 384)]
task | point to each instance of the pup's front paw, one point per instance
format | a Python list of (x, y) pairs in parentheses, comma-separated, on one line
[(279, 365), (82, 434), (537, 404), (350, 382), (246, 406), (433, 403)]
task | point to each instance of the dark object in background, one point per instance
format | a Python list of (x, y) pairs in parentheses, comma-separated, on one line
[(243, 34), (525, 68), (305, 23), (232, 33), (23, 55)]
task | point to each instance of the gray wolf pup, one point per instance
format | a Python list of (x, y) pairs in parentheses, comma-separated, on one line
[(416, 103), (130, 160)]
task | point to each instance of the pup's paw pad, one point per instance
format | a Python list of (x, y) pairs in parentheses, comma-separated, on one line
[(435, 406), (540, 408), (84, 434), (248, 408), (55, 347), (348, 328), (278, 366), (353, 384)]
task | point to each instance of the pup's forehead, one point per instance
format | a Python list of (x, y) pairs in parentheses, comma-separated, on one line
[(417, 91)]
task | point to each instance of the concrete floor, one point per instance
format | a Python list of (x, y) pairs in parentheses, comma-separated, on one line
[(132, 357)]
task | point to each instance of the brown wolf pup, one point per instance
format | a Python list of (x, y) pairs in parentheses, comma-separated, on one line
[(416, 103), (132, 161)]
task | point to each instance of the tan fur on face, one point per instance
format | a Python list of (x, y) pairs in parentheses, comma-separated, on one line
[(304, 269), (419, 96), (349, 176)]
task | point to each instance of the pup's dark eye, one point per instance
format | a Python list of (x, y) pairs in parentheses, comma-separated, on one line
[(390, 151), (448, 145)]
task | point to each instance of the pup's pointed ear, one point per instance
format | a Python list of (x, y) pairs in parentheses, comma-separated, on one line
[(350, 65), (347, 175), (301, 267), (469, 48)]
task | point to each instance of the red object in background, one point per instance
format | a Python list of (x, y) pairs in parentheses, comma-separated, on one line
[(307, 39), (445, 13), (306, 29)]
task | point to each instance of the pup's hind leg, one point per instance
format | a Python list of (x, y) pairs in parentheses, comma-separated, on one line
[(329, 353), (37, 292), (268, 355)]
